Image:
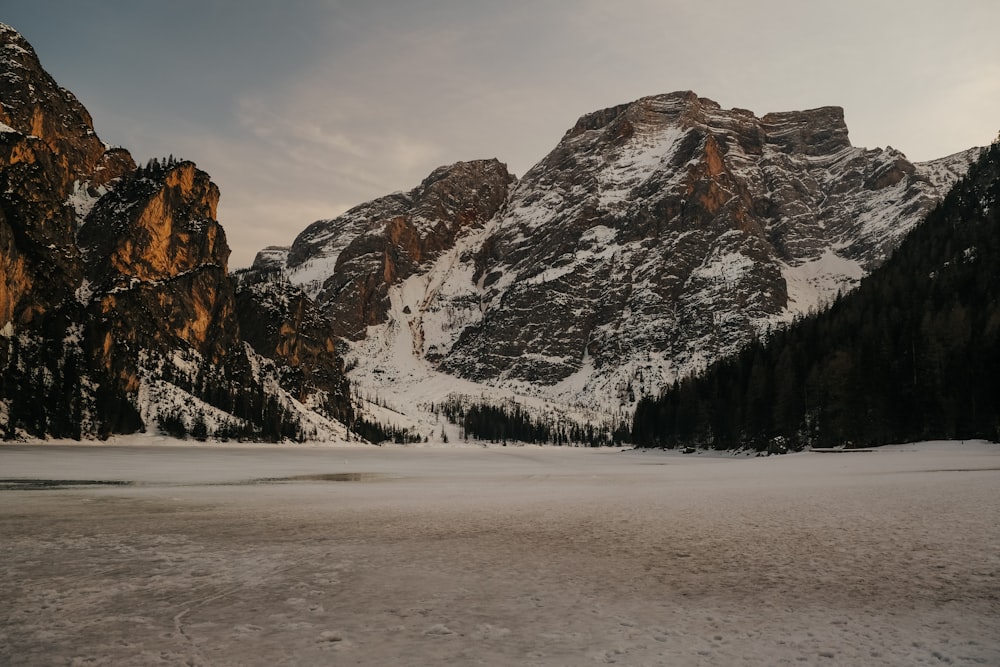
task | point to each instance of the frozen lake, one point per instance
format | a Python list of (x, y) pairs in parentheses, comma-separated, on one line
[(257, 555)]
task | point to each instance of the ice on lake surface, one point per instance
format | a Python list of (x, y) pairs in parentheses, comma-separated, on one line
[(258, 555)]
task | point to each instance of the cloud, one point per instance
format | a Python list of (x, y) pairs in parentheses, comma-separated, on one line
[(401, 89), (302, 110)]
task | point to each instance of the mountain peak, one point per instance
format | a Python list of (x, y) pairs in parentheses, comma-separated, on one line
[(820, 131), (812, 132), (658, 235), (31, 102), (13, 43), (659, 109), (37, 109), (349, 263)]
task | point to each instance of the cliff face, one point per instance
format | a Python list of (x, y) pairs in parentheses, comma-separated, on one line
[(116, 306), (665, 233), (282, 323), (654, 238), (35, 107), (156, 275), (349, 263), (50, 159)]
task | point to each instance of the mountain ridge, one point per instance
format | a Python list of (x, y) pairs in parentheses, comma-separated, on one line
[(910, 355), (657, 236), (118, 311)]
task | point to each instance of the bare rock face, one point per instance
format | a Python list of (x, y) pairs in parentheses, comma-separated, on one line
[(348, 263), (117, 312), (52, 167), (271, 258), (50, 160), (34, 106), (153, 249), (156, 226)]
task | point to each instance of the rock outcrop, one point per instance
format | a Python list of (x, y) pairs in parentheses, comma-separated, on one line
[(50, 161), (153, 247), (665, 233), (349, 263), (117, 312), (282, 323)]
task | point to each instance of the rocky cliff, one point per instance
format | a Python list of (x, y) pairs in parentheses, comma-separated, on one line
[(280, 322), (657, 236), (117, 312), (673, 230), (349, 263)]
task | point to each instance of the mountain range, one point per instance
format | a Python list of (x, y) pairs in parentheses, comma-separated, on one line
[(656, 238)]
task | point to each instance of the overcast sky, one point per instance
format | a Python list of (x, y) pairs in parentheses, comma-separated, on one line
[(301, 109)]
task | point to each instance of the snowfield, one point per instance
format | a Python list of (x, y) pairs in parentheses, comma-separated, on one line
[(281, 555)]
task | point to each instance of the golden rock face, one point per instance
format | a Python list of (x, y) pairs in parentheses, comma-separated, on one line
[(114, 278), (165, 262), (162, 242), (14, 283), (49, 152)]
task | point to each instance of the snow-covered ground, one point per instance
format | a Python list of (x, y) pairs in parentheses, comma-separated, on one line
[(498, 556)]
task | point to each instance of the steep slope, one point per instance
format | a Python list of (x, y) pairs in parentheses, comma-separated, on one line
[(912, 354), (52, 166), (348, 263), (280, 322), (117, 312)]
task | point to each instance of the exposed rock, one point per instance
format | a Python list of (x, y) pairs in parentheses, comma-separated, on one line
[(33, 105), (271, 258), (154, 249), (282, 323), (349, 263), (48, 153), (116, 309)]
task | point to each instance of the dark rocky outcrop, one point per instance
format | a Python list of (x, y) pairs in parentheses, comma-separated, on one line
[(282, 323)]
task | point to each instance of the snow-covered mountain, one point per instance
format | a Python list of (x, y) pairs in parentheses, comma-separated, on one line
[(657, 236)]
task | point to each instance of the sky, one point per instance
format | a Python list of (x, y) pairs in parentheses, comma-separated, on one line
[(302, 109)]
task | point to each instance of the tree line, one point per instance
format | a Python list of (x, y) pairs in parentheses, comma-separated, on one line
[(510, 422)]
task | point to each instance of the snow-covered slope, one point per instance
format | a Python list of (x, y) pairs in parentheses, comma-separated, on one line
[(347, 264)]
